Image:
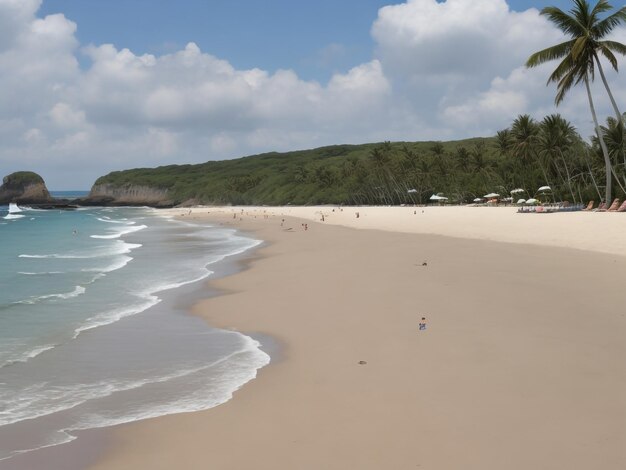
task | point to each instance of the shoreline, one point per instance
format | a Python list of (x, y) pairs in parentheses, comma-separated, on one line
[(265, 402), (89, 444)]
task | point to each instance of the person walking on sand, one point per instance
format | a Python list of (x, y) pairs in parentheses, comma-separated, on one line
[(422, 324)]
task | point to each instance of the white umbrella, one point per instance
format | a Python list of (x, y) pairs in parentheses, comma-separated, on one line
[(532, 201), (518, 190), (507, 199), (545, 188), (521, 201), (478, 199), (436, 197), (412, 191), (490, 195)]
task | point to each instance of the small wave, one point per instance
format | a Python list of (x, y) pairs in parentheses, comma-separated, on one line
[(233, 377), (121, 232), (64, 439), (42, 400), (117, 264), (112, 316), (12, 216), (45, 273), (55, 399), (119, 248), (78, 290), (111, 221), (28, 355)]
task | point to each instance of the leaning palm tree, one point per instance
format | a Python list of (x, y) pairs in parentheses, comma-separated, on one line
[(580, 55)]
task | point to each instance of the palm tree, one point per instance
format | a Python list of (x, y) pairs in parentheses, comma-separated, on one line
[(580, 55), (524, 134), (613, 134), (556, 137)]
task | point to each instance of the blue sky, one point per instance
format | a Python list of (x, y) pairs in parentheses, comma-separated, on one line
[(105, 85), (314, 38)]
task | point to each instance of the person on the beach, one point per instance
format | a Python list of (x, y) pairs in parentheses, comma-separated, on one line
[(422, 324), (306, 227)]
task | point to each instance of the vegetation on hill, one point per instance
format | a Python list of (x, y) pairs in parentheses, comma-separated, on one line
[(20, 179), (528, 155)]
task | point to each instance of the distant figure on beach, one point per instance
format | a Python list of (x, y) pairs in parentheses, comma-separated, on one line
[(74, 231), (422, 324), (282, 222), (234, 216), (357, 215), (306, 227), (322, 217)]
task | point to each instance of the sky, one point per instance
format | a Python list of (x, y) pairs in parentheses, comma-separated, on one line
[(93, 86)]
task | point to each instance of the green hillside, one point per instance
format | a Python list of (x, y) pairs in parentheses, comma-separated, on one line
[(377, 173)]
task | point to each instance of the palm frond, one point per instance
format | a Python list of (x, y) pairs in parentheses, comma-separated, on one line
[(566, 23), (564, 86), (563, 68), (549, 54), (606, 52), (605, 26), (614, 46), (601, 7)]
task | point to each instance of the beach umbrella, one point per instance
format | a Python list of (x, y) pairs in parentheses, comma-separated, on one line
[(491, 195), (521, 201), (412, 191), (478, 199), (532, 201), (518, 190), (507, 199), (545, 188)]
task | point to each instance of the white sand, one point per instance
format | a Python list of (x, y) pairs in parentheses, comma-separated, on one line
[(602, 232)]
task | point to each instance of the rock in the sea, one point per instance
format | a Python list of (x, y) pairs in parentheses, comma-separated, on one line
[(24, 187)]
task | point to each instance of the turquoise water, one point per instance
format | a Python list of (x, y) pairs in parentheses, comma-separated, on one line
[(92, 332)]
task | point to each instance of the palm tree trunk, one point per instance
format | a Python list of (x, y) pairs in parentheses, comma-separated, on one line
[(618, 115), (593, 179), (605, 152), (569, 178)]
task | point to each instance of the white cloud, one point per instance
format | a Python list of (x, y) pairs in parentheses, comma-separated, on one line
[(439, 70)]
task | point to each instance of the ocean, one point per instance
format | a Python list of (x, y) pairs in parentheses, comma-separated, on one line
[(94, 329)]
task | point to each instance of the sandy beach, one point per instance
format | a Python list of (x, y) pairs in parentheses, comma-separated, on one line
[(520, 364)]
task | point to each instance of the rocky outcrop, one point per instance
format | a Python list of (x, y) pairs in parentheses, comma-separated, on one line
[(24, 187), (126, 195)]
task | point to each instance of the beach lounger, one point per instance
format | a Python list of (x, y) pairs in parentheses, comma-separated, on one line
[(601, 208), (589, 206), (614, 205), (622, 208)]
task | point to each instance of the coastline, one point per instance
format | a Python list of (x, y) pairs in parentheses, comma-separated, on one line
[(176, 302), (518, 369)]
